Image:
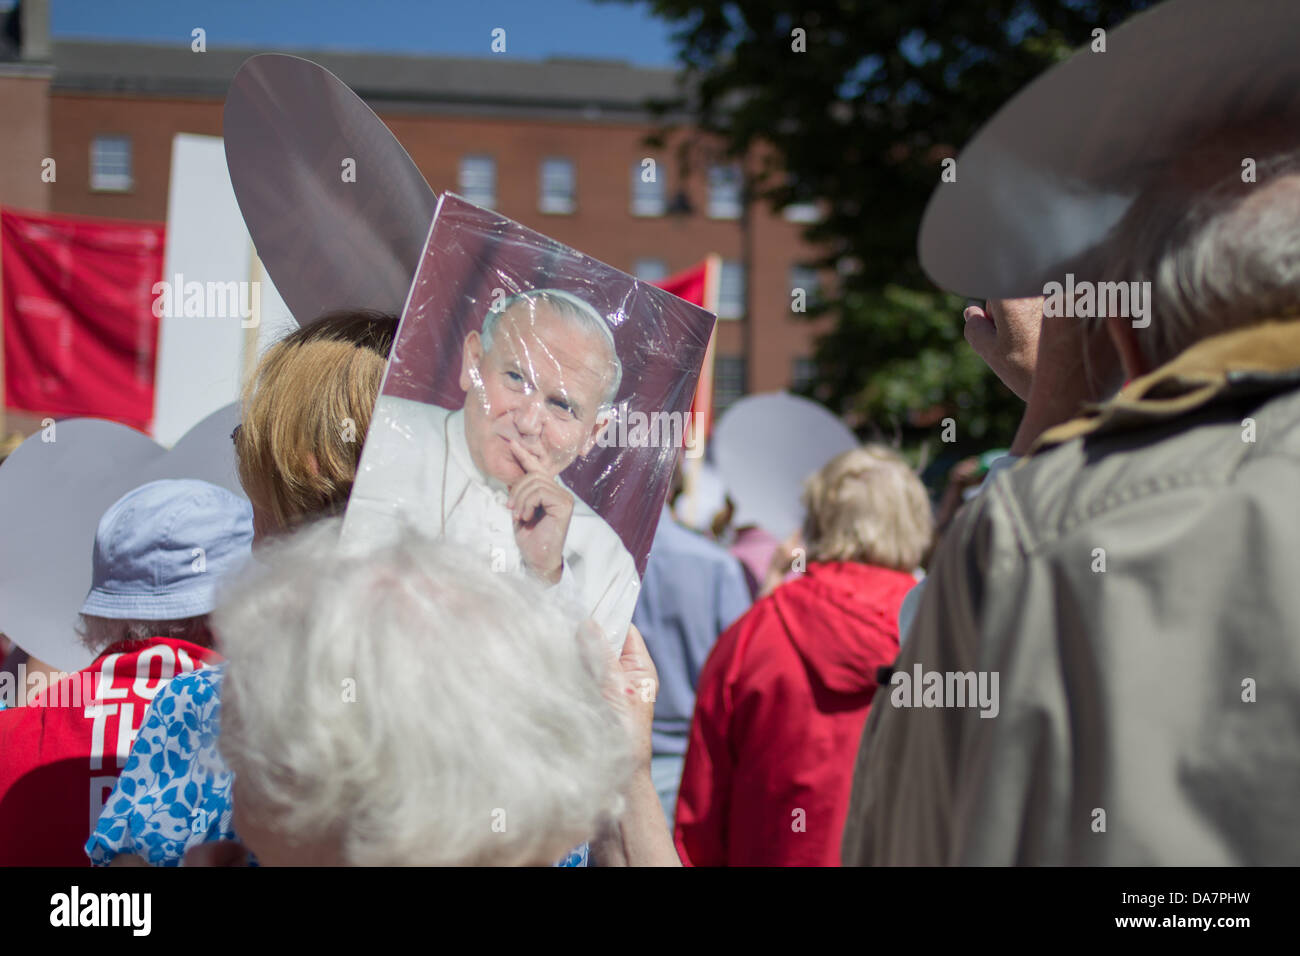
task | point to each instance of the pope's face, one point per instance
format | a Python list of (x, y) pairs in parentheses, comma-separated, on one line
[(540, 386)]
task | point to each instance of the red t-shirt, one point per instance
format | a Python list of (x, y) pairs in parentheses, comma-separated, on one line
[(60, 755)]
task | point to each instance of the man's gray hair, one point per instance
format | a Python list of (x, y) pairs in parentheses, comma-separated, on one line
[(405, 705), (1226, 258), (572, 309), (98, 633)]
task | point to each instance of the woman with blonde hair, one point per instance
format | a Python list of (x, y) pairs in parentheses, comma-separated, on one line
[(786, 690), (306, 410)]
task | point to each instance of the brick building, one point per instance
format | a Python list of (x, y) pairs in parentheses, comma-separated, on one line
[(558, 145)]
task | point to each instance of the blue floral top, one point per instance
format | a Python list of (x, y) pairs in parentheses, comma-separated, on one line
[(175, 791)]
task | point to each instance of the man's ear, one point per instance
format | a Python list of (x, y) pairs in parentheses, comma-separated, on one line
[(470, 360), (1125, 339), (603, 418)]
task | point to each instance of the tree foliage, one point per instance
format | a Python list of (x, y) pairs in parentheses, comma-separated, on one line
[(860, 122)]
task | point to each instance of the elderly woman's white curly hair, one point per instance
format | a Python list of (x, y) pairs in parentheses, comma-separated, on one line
[(408, 706)]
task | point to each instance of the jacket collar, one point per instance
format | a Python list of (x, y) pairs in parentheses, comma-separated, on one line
[(1262, 358)]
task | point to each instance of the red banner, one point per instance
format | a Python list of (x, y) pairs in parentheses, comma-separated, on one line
[(694, 285), (688, 284), (80, 336)]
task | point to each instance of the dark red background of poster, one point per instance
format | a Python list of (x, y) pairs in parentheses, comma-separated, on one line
[(80, 336)]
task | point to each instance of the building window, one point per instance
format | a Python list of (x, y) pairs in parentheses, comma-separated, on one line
[(478, 180), (802, 212), (731, 290), (801, 277), (110, 163), (650, 270), (724, 192), (802, 374), (559, 186), (728, 381), (647, 190)]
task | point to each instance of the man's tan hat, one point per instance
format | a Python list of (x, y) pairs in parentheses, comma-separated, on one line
[(1040, 187)]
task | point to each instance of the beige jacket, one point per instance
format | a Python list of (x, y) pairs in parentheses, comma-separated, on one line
[(1135, 585)]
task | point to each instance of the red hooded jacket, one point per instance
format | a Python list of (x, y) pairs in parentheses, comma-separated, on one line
[(778, 717)]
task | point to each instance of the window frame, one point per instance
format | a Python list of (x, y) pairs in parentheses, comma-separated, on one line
[(461, 188), (716, 208), (557, 206), (641, 206), (725, 313), (102, 182), (662, 263)]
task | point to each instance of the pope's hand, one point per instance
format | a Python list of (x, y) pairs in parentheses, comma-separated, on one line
[(542, 509)]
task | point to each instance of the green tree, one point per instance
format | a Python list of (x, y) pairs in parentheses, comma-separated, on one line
[(860, 122)]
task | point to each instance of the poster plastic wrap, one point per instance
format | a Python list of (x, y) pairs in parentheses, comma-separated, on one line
[(535, 404)]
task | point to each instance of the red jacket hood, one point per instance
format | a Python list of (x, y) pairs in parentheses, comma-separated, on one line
[(842, 618)]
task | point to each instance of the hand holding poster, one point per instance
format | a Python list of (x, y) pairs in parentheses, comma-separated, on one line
[(533, 409)]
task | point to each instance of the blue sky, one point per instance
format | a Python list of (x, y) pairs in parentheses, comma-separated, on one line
[(535, 29)]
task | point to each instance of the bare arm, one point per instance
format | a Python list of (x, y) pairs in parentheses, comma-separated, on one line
[(641, 836)]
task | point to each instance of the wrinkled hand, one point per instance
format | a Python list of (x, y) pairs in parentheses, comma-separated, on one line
[(1004, 333), (632, 685), (542, 510), (630, 682)]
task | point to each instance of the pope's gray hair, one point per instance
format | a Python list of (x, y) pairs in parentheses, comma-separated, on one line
[(405, 705), (1228, 258), (572, 309)]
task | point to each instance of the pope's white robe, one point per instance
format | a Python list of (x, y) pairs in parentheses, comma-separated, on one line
[(417, 470)]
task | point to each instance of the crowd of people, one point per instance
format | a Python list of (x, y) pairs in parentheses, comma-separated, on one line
[(1111, 602)]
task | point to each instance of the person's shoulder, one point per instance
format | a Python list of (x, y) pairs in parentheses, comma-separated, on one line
[(196, 687), (1123, 476), (403, 452), (405, 412), (754, 636), (587, 529), (760, 621)]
